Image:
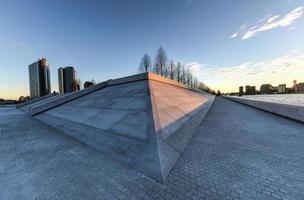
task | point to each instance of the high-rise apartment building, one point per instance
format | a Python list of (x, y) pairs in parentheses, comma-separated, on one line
[(252, 90), (241, 90), (67, 79), (300, 87), (61, 80), (295, 86), (282, 89), (247, 89), (266, 89), (39, 78)]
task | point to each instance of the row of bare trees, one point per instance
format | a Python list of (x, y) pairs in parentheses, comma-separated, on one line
[(169, 69)]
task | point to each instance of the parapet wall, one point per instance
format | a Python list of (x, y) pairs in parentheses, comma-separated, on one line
[(34, 100), (286, 110)]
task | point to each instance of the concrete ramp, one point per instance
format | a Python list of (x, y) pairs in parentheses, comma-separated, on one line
[(144, 123), (40, 101)]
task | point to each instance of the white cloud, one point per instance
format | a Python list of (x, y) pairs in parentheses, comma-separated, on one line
[(275, 71), (271, 22), (234, 35), (193, 66), (271, 19)]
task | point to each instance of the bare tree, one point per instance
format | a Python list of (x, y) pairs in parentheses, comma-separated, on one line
[(78, 84), (166, 71), (195, 82), (184, 76), (172, 70), (145, 64), (189, 78), (178, 72), (161, 61)]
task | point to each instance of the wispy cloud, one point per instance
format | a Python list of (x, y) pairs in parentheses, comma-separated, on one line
[(234, 35), (269, 23), (278, 70)]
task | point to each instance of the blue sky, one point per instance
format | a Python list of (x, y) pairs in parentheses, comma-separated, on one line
[(106, 39)]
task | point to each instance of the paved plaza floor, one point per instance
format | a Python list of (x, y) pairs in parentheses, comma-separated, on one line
[(238, 152)]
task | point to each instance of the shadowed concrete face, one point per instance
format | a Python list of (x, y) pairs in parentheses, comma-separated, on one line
[(113, 109), (145, 124)]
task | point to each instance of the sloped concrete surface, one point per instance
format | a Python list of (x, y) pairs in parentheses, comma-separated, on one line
[(110, 109), (135, 122), (75, 95), (171, 104), (238, 152)]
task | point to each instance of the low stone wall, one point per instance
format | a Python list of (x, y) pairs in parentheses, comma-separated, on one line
[(43, 107), (286, 110), (33, 100)]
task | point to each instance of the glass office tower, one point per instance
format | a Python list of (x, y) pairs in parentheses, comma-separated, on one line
[(39, 78), (67, 80)]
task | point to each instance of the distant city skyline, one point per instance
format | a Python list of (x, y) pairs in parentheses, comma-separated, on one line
[(267, 88), (281, 83), (225, 43)]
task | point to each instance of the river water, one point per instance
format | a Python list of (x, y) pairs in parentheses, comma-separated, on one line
[(295, 99)]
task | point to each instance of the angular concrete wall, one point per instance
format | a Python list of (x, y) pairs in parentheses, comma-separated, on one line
[(286, 110), (177, 113), (144, 121)]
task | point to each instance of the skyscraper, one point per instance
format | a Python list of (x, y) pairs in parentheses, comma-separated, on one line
[(295, 86), (61, 80), (67, 79), (282, 89), (241, 90), (247, 89), (252, 90), (266, 89), (39, 78)]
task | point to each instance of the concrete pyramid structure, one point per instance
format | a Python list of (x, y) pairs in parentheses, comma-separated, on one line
[(144, 121)]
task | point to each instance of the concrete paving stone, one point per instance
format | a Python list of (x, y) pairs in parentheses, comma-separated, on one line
[(131, 126), (237, 152), (76, 114), (121, 103), (106, 118), (140, 104)]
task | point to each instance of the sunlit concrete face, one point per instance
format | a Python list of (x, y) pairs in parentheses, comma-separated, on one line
[(172, 104)]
